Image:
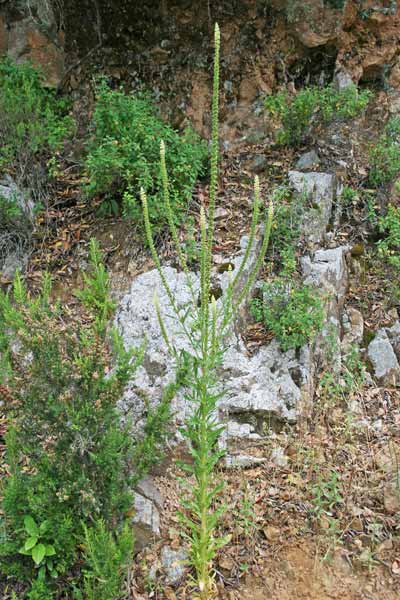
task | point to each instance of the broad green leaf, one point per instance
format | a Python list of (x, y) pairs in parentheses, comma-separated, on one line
[(50, 551), (30, 542), (24, 552), (38, 553), (31, 526), (44, 527)]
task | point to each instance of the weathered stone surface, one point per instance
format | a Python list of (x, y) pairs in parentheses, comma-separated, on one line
[(146, 521), (308, 160), (146, 488), (13, 262), (137, 320), (353, 328), (279, 457), (327, 272), (15, 232), (383, 359), (391, 495), (313, 22), (342, 80), (12, 193), (270, 386), (264, 386), (174, 564), (27, 42), (321, 189), (243, 461), (261, 391), (394, 337)]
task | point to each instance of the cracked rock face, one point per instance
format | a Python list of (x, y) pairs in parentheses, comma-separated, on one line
[(146, 521)]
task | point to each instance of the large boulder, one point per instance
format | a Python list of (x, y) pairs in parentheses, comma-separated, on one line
[(270, 385)]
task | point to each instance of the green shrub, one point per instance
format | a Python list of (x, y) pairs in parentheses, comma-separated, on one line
[(385, 156), (293, 312), (286, 228), (9, 212), (105, 571), (311, 105), (33, 121), (389, 246), (70, 461), (123, 156)]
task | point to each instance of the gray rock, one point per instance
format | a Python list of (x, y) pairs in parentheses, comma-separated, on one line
[(308, 160), (243, 461), (342, 80), (320, 188), (258, 164), (174, 564), (353, 328), (259, 391), (146, 521), (271, 385), (391, 495), (394, 337), (13, 262), (137, 320), (279, 457), (327, 272), (383, 359), (12, 193), (146, 488)]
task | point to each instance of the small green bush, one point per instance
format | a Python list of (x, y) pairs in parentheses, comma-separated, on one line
[(385, 156), (33, 123), (70, 460), (105, 571), (389, 246), (123, 156), (293, 312), (9, 212), (286, 228), (311, 105)]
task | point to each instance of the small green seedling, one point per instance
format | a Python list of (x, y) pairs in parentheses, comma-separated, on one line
[(37, 547)]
